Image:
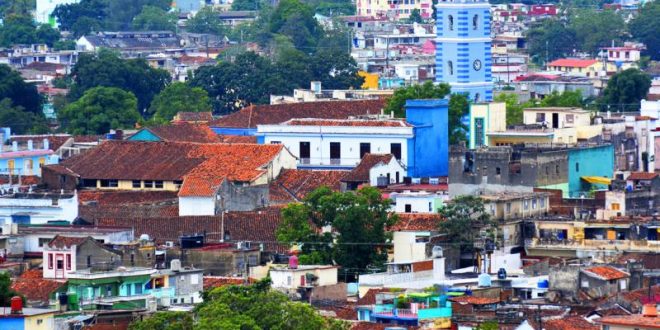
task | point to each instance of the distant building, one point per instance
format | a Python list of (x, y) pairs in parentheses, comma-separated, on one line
[(581, 67), (398, 9), (122, 288), (131, 43), (376, 170), (25, 158), (484, 119), (38, 208), (27, 319), (43, 13), (63, 255)]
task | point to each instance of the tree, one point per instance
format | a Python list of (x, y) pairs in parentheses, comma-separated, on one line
[(246, 5), (595, 29), (335, 69), (82, 17), (165, 321), (155, 19), (415, 16), (120, 13), (514, 110), (427, 90), (625, 90), (19, 120), (107, 69), (178, 97), (645, 28), (206, 20), (463, 217), (295, 20), (564, 99), (459, 106), (64, 45), (21, 93), (358, 220), (6, 293), (99, 110), (549, 41)]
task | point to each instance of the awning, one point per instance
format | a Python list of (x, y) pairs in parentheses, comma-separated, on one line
[(597, 179)]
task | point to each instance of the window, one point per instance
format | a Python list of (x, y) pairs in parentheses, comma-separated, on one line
[(158, 184), (60, 263), (50, 261), (542, 202), (109, 183), (89, 261), (570, 119), (43, 241), (450, 20), (479, 132), (10, 165), (365, 148), (498, 171), (430, 207), (138, 288), (534, 204), (408, 208), (508, 208), (148, 184), (526, 204), (557, 169), (540, 117), (194, 279), (275, 142), (335, 152), (137, 184), (89, 183), (395, 149), (68, 261), (615, 206), (475, 22), (450, 67), (577, 167)]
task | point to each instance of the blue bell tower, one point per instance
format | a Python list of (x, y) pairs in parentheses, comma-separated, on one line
[(462, 53)]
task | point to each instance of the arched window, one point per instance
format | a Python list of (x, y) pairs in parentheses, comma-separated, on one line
[(450, 18), (475, 22), (450, 67)]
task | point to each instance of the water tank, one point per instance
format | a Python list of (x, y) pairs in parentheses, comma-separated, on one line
[(543, 284), (437, 252), (293, 262), (16, 305), (484, 280), (144, 237), (501, 274), (316, 87), (175, 265)]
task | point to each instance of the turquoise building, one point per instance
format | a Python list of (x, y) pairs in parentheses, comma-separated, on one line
[(463, 54), (593, 161)]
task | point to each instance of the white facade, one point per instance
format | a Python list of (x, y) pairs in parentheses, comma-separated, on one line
[(417, 202), (37, 208), (196, 205), (394, 170), (316, 141), (36, 237), (287, 278), (651, 108), (410, 246), (45, 8), (57, 262), (407, 71), (557, 117)]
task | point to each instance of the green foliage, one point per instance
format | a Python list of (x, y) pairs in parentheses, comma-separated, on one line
[(19, 120), (595, 29), (165, 321), (22, 30), (153, 18), (64, 45), (99, 110), (625, 90), (5, 289), (459, 106), (415, 16), (358, 220), (552, 39), (10, 8), (427, 90), (206, 20), (246, 5), (645, 28), (335, 8), (245, 308), (178, 97), (488, 325), (21, 93), (564, 99), (464, 217), (106, 69), (514, 110)]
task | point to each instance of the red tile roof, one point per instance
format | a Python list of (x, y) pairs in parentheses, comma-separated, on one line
[(416, 221), (24, 179), (369, 297), (123, 197), (294, 185), (171, 161), (573, 63), (200, 186), (36, 289), (361, 172), (346, 122), (60, 241), (251, 116), (54, 141), (636, 320), (569, 323), (238, 138), (211, 282), (255, 226), (185, 132), (475, 300), (90, 213), (193, 117), (606, 272), (649, 260), (32, 273), (642, 176)]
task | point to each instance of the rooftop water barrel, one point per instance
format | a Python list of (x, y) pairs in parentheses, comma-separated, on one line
[(484, 280)]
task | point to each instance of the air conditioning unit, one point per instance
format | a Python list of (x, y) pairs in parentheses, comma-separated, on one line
[(169, 244)]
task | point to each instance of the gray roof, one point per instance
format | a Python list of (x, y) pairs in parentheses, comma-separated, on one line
[(135, 40)]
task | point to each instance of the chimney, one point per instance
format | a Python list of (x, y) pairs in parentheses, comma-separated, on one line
[(30, 145)]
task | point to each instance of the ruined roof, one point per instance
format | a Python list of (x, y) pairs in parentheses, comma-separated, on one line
[(251, 116), (369, 297), (642, 176), (636, 320), (60, 241), (195, 117), (185, 132), (55, 141), (416, 222), (34, 287), (474, 300), (361, 172), (605, 273), (293, 185), (123, 197), (238, 139), (649, 260), (211, 282), (92, 212)]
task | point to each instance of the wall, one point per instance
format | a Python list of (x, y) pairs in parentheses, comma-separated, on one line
[(99, 256), (579, 118), (428, 151), (494, 120), (564, 279), (68, 264), (189, 285), (405, 247), (392, 168), (418, 204), (196, 205), (32, 240), (26, 162), (40, 210), (591, 161), (144, 135), (221, 262)]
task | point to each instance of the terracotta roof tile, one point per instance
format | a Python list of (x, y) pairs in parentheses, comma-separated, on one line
[(369, 297), (194, 117), (36, 289), (254, 115), (92, 212), (122, 197), (569, 323), (238, 138), (649, 260), (606, 272), (573, 63), (642, 176), (185, 132), (211, 282), (60, 241), (416, 221), (55, 141), (361, 172), (24, 179), (199, 186), (33, 273), (346, 122), (475, 300), (294, 185), (636, 320)]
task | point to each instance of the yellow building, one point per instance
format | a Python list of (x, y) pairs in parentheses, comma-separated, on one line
[(28, 319), (581, 67), (370, 80), (486, 118)]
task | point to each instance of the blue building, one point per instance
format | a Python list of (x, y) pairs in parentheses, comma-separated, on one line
[(583, 163), (463, 54), (24, 157), (428, 150)]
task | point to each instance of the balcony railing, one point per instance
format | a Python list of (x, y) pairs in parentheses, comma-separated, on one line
[(162, 292), (380, 279), (388, 311), (323, 161), (621, 245)]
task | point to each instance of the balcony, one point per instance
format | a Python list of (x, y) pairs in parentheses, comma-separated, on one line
[(382, 279), (328, 162), (162, 292), (594, 244), (409, 314)]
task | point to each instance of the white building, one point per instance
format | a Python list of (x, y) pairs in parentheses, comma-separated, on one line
[(303, 276), (339, 143), (38, 208), (418, 202), (35, 237), (44, 10), (377, 170)]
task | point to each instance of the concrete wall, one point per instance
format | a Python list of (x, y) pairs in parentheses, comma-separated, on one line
[(221, 262), (196, 205), (98, 256), (494, 120), (40, 210), (334, 292), (406, 249), (392, 169), (565, 280)]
